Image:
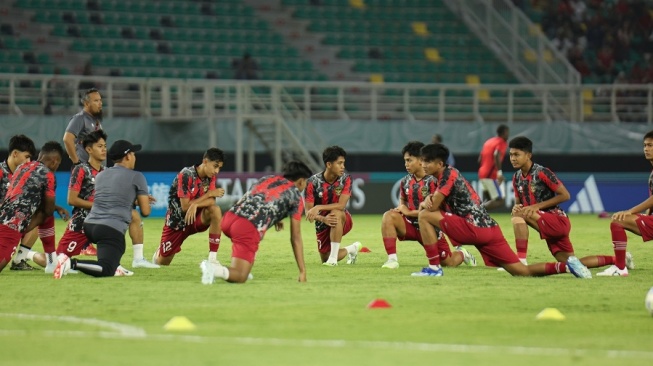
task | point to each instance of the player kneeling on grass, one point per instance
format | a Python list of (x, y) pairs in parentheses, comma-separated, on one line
[(538, 192), (401, 222), (117, 189), (327, 194), (632, 220), (192, 209), (456, 209), (265, 204)]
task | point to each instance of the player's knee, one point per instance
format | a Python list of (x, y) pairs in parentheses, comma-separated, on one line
[(517, 220), (215, 211), (389, 216)]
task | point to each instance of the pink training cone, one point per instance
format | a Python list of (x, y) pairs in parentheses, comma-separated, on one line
[(379, 304), (365, 250)]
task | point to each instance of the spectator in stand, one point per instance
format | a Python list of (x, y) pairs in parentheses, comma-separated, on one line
[(245, 68)]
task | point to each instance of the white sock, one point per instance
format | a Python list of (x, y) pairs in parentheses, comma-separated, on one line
[(335, 247), (213, 256), (51, 258), (351, 249), (221, 272), (393, 257), (30, 255), (434, 267), (21, 254), (138, 251)]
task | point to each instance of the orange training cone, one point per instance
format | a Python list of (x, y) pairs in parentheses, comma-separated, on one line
[(379, 304), (365, 250)]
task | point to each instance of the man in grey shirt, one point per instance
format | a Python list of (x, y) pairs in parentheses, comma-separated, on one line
[(89, 119), (116, 190)]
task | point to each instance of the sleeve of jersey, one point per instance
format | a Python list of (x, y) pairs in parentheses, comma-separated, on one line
[(308, 194), (514, 184), (346, 189), (76, 179), (402, 192), (75, 126), (550, 179), (445, 184), (183, 185), (51, 185), (141, 185), (297, 215)]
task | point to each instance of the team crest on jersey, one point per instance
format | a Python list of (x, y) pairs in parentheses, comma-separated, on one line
[(533, 187), (425, 191), (338, 190), (205, 186)]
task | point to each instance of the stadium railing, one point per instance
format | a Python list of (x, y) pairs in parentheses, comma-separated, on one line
[(191, 99)]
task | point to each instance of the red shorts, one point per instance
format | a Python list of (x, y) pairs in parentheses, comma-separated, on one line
[(555, 230), (243, 234), (489, 241), (324, 236), (71, 243), (413, 233), (9, 240), (172, 239), (645, 225)]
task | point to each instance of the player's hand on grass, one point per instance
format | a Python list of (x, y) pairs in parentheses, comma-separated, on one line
[(218, 192), (62, 212), (190, 214)]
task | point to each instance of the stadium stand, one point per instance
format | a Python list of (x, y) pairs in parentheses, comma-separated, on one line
[(607, 41)]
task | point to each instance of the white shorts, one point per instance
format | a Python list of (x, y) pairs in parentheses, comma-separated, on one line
[(493, 188)]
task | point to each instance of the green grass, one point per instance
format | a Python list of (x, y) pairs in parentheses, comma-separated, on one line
[(273, 320)]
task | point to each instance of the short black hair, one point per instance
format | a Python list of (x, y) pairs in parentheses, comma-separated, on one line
[(51, 147), (432, 152), (501, 129), (214, 154), (85, 95), (93, 137), (521, 143), (332, 153), (412, 148), (22, 143), (649, 135), (294, 170)]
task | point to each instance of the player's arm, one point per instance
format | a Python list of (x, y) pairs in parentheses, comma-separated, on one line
[(75, 201), (205, 200), (497, 164), (646, 205), (69, 144), (298, 247), (143, 201), (562, 195), (436, 201), (340, 205)]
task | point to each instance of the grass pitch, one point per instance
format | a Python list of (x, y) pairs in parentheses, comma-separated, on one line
[(469, 316)]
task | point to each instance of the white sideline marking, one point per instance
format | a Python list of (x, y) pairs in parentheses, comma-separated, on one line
[(123, 330), (314, 343)]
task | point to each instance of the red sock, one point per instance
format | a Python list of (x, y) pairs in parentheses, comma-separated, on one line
[(390, 245), (522, 248), (605, 260), (619, 242), (46, 234), (443, 248), (432, 254), (555, 268), (214, 242)]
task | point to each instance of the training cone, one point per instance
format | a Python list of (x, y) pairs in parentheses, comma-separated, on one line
[(365, 250), (379, 304), (180, 324), (550, 314)]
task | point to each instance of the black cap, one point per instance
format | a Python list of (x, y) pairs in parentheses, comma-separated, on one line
[(120, 148)]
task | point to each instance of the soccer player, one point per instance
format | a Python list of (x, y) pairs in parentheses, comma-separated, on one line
[(117, 189), (632, 220), (538, 193), (265, 204), (490, 175), (327, 194), (456, 209), (29, 199), (401, 222), (192, 208)]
